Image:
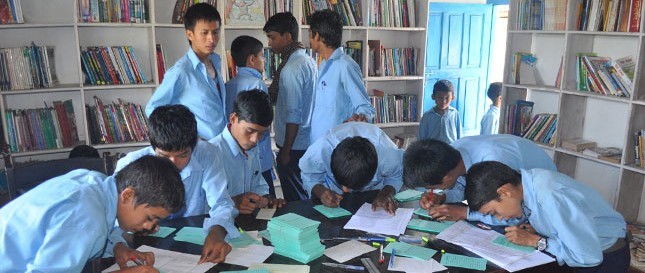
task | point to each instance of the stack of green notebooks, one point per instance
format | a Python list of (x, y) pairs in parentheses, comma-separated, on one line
[(408, 195), (295, 237)]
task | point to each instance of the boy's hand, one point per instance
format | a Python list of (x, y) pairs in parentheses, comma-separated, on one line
[(384, 200), (429, 199), (139, 269), (448, 212), (276, 203), (215, 248), (284, 156), (357, 117), (521, 236), (123, 254), (247, 202)]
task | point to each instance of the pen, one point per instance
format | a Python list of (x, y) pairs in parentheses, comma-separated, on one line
[(345, 266), (364, 239), (392, 258), (136, 260), (381, 259), (240, 229), (327, 182)]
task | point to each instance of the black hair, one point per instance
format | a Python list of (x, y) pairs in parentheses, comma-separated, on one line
[(494, 91), (282, 23), (244, 46), (253, 106), (354, 162), (156, 182), (484, 178), (172, 128), (427, 161), (200, 11), (328, 25), (443, 86), (84, 151)]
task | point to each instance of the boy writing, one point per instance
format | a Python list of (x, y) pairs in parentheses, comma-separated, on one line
[(490, 120), (442, 122)]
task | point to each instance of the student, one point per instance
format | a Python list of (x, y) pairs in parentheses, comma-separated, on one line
[(195, 80), (567, 219), (84, 151), (239, 159), (433, 164), (172, 130), (340, 92), (490, 120), (442, 122), (65, 221), (353, 156), (294, 79), (248, 55)]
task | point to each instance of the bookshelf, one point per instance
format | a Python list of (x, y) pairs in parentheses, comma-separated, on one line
[(609, 120)]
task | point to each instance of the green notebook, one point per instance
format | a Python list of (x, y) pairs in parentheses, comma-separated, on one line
[(332, 212), (412, 251), (422, 212), (163, 232), (408, 195), (191, 235), (501, 240), (243, 241), (449, 259), (429, 226)]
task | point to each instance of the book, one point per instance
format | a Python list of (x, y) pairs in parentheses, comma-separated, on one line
[(523, 113), (244, 13), (577, 144), (602, 151)]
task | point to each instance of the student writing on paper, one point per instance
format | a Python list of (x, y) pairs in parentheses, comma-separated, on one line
[(64, 222), (172, 130), (353, 156), (434, 164), (236, 147), (567, 218)]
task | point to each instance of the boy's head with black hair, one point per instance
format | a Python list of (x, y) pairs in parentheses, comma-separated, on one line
[(443, 93), (150, 189), (202, 23), (172, 130), (251, 117), (84, 151), (325, 29), (428, 163), (248, 52), (281, 30), (494, 188), (354, 162), (494, 92)]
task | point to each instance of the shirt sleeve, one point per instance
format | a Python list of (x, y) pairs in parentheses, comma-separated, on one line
[(423, 128), (291, 86), (458, 125), (258, 184), (222, 209), (312, 167), (456, 193), (490, 219), (165, 92), (355, 90), (393, 168)]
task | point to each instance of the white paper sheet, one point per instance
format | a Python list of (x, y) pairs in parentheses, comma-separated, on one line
[(171, 261), (265, 214), (411, 265), (380, 221), (347, 251), (246, 256)]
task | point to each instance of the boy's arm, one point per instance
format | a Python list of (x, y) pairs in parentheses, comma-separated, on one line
[(355, 89), (292, 85), (458, 124), (222, 209), (258, 185), (164, 94), (392, 171), (312, 168), (456, 193)]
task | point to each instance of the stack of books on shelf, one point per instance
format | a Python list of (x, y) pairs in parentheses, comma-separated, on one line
[(542, 129), (524, 71), (609, 15), (271, 7), (43, 128), (392, 13), (541, 14), (349, 10), (27, 67), (518, 117), (271, 63), (161, 62), (354, 49), (394, 108), (602, 75), (577, 144), (113, 11), (611, 154), (639, 144), (392, 61), (11, 12), (182, 5), (116, 123), (295, 237), (637, 245), (111, 65)]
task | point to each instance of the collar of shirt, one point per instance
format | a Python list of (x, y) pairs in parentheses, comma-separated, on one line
[(235, 149), (196, 61), (338, 52), (249, 71)]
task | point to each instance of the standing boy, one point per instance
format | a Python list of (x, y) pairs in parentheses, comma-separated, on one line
[(442, 122), (292, 91), (490, 120), (236, 148), (195, 80), (567, 219), (340, 92), (65, 221), (248, 56)]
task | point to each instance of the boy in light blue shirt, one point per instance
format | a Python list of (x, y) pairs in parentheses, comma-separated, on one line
[(442, 122), (238, 154), (340, 91), (433, 164), (566, 218), (248, 56), (195, 80), (65, 221), (353, 156), (490, 120)]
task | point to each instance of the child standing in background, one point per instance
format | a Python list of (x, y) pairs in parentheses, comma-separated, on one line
[(442, 122), (490, 120)]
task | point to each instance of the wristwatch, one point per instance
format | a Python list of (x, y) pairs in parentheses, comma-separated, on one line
[(541, 244)]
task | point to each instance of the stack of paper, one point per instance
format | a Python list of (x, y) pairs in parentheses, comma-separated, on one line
[(408, 195), (429, 226), (412, 251), (332, 212), (380, 221), (244, 240), (422, 212), (170, 261), (191, 235), (296, 237)]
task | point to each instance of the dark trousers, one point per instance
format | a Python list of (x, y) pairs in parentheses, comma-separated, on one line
[(289, 176), (268, 176), (612, 262)]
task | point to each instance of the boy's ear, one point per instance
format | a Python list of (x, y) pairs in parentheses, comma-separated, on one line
[(505, 190), (127, 195), (232, 118), (250, 60)]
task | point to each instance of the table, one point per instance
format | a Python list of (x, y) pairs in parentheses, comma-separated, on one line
[(328, 228)]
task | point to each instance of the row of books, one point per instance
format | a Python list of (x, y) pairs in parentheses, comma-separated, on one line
[(392, 61), (118, 122), (518, 117), (113, 11), (541, 15), (271, 63), (43, 128), (639, 147), (11, 12), (523, 70), (394, 108), (27, 67), (637, 245), (349, 10), (392, 13), (111, 65), (161, 61), (182, 5), (542, 129), (602, 75), (609, 15), (590, 148)]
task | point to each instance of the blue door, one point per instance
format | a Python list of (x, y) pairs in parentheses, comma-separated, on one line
[(458, 48)]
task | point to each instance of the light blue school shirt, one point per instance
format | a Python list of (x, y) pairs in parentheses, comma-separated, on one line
[(490, 121), (446, 127), (59, 225), (247, 79), (205, 189), (577, 222), (241, 172), (340, 93), (295, 98), (315, 164), (516, 152), (188, 83)]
